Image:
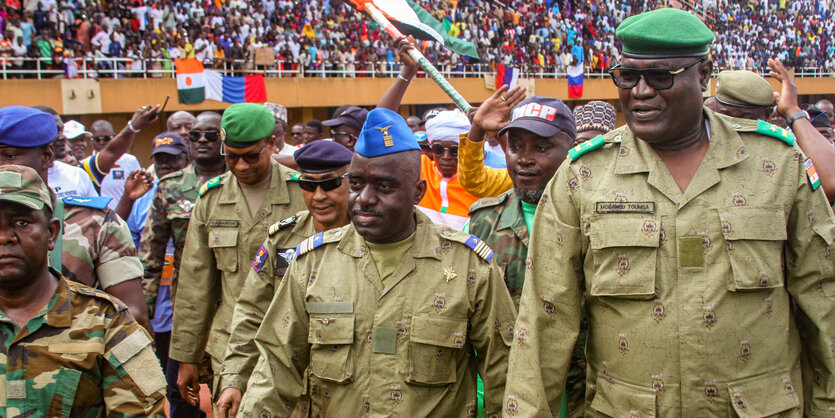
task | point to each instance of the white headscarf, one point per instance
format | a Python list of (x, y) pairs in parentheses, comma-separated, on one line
[(447, 126)]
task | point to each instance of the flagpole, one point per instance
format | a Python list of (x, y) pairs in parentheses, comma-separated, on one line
[(424, 63)]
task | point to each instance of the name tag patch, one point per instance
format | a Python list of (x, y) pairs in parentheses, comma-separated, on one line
[(224, 223), (624, 207)]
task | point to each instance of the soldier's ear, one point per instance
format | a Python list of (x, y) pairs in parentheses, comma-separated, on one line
[(54, 226), (420, 190)]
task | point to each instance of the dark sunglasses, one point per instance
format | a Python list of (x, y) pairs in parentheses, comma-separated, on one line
[(296, 133), (104, 138), (657, 78), (439, 149), (326, 185), (211, 136), (251, 158)]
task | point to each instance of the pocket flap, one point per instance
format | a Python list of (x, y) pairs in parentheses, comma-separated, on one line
[(329, 330), (438, 331), (825, 229), (619, 230), (754, 223), (223, 238), (618, 399), (763, 395)]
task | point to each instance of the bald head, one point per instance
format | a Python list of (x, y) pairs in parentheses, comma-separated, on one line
[(181, 122), (826, 106)]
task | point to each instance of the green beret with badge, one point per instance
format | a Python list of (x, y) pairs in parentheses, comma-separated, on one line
[(664, 33), (246, 123), (743, 89)]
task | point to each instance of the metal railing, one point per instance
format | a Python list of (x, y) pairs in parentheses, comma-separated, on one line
[(40, 68)]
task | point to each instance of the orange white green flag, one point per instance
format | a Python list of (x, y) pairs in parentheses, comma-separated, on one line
[(190, 80)]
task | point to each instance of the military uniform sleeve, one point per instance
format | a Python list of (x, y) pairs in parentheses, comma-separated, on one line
[(811, 284), (198, 290), (116, 261), (491, 331), (550, 307), (241, 352), (132, 380), (475, 177), (279, 380), (152, 247)]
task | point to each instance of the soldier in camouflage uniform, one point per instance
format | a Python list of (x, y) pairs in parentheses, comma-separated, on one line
[(540, 130), (68, 350), (228, 224), (323, 165), (95, 248)]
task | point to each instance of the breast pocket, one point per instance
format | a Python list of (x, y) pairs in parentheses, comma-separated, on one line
[(755, 238), (436, 346), (331, 337), (224, 243), (624, 249)]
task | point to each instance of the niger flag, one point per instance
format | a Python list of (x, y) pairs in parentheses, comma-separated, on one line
[(190, 80)]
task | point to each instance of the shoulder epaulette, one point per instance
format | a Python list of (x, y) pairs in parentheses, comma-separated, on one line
[(588, 146), (316, 241), (94, 202), (473, 242), (487, 202), (284, 223), (211, 184), (293, 176), (774, 131), (98, 294), (172, 175)]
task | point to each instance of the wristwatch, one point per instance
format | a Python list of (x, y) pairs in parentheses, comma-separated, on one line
[(802, 114)]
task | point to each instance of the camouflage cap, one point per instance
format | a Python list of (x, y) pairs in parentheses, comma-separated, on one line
[(743, 89), (23, 185)]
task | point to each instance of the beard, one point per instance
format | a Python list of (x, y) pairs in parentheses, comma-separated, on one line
[(530, 196)]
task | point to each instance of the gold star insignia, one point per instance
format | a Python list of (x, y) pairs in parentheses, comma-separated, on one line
[(449, 274)]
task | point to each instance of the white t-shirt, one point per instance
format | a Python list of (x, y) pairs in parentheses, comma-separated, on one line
[(68, 180), (113, 184)]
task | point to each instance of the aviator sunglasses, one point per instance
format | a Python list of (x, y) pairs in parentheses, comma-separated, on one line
[(657, 78)]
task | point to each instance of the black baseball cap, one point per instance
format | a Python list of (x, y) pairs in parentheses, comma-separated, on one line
[(544, 116), (353, 116), (169, 143)]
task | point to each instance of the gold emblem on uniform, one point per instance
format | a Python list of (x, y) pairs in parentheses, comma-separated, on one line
[(624, 151), (658, 382), (707, 244), (769, 167), (739, 401), (730, 246), (508, 329), (512, 405), (388, 141), (658, 311), (573, 185), (708, 316), (222, 134), (769, 305), (745, 349), (623, 264), (401, 329), (548, 306), (763, 278), (366, 402), (650, 226), (585, 172), (458, 339), (449, 274), (440, 301), (788, 385), (522, 335), (711, 391), (727, 228), (738, 198), (471, 408), (623, 343), (396, 394), (620, 197)]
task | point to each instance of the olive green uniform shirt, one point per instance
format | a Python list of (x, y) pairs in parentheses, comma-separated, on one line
[(407, 349), (256, 295), (697, 300), (221, 242)]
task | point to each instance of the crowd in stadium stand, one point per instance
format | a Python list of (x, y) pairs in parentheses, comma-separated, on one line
[(331, 38)]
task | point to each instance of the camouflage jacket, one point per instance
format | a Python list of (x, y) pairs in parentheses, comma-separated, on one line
[(168, 218), (267, 270), (221, 242), (96, 245), (82, 355), (499, 222)]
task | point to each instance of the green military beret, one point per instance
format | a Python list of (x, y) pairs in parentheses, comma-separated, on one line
[(664, 33), (245, 123), (743, 89)]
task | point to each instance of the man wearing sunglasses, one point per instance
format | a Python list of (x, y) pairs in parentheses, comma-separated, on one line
[(389, 316), (228, 225), (697, 245), (168, 220), (345, 127), (323, 165)]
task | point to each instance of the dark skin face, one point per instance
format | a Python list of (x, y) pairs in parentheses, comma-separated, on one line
[(78, 146), (382, 194), (60, 142), (165, 164), (753, 113), (328, 208), (255, 172), (668, 119), (586, 135), (446, 163), (38, 158), (204, 151), (345, 136), (297, 134), (180, 122), (827, 132), (100, 130), (26, 236), (311, 134), (532, 160)]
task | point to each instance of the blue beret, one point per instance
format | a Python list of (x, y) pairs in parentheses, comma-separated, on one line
[(384, 132), (322, 156), (25, 127)]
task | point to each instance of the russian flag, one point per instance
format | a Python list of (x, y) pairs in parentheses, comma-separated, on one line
[(222, 88), (506, 75), (575, 81)]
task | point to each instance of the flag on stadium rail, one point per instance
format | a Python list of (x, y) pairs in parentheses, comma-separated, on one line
[(575, 81), (249, 89), (411, 19), (190, 80), (506, 75)]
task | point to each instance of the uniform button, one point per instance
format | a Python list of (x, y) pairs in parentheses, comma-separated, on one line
[(445, 233), (737, 126), (337, 233), (617, 138)]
